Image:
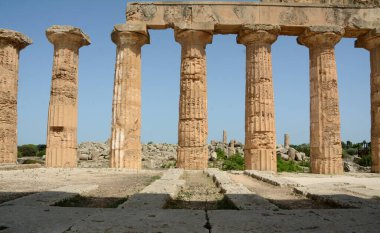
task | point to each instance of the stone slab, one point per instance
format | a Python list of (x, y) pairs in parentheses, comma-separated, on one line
[(158, 193), (50, 197), (337, 220), (270, 178), (238, 194), (24, 219), (168, 221), (228, 17)]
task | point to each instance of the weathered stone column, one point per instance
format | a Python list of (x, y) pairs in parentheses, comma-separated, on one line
[(260, 133), (126, 106), (61, 145), (192, 152), (371, 42), (286, 141), (325, 142), (11, 42), (224, 136)]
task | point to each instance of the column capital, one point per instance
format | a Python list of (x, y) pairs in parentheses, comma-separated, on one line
[(190, 36), (320, 36), (259, 33), (130, 34), (17, 39), (370, 40), (67, 35)]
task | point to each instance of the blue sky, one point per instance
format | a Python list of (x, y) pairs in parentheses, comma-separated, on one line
[(161, 74)]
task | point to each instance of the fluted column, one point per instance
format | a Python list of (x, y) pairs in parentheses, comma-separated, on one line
[(61, 145), (126, 106), (260, 133), (192, 152), (371, 42), (325, 141), (11, 42)]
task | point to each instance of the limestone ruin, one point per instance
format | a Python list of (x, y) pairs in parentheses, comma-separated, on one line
[(61, 145), (11, 43), (318, 25)]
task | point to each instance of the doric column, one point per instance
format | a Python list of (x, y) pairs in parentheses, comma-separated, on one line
[(192, 152), (260, 133), (126, 106), (325, 141), (11, 42), (371, 42), (61, 145)]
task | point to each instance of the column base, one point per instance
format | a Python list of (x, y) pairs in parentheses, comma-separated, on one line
[(375, 168), (61, 157), (332, 166), (192, 158), (260, 159), (129, 159)]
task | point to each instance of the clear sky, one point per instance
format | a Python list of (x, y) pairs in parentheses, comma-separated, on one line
[(161, 74)]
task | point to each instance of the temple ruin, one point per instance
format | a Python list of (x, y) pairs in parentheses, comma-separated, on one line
[(318, 25)]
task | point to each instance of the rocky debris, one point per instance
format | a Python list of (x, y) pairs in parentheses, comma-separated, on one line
[(231, 148), (350, 165), (93, 151), (290, 154), (157, 155)]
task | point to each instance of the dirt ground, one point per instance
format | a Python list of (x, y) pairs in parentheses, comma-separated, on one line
[(113, 184), (199, 193), (283, 197)]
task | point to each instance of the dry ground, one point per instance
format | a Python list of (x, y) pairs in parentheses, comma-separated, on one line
[(112, 184)]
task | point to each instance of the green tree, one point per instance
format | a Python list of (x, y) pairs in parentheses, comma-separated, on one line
[(27, 150)]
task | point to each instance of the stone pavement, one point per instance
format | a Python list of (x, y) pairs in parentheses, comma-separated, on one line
[(363, 215)]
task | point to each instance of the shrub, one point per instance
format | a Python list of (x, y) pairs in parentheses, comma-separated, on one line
[(352, 151), (41, 153), (304, 163), (305, 148), (220, 154), (234, 162), (27, 150), (345, 154), (287, 166), (365, 161), (150, 143)]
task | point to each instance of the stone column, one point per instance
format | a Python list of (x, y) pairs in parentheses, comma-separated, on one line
[(126, 106), (286, 141), (371, 42), (224, 136), (11, 42), (260, 133), (192, 152), (61, 145), (325, 142)]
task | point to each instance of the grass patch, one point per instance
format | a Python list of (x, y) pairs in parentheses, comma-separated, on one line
[(32, 161), (91, 202), (234, 162), (287, 166), (365, 161)]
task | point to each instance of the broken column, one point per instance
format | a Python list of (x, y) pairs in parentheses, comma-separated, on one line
[(61, 145), (11, 42), (192, 151), (125, 147), (371, 42), (286, 141), (325, 142), (224, 136), (260, 134)]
